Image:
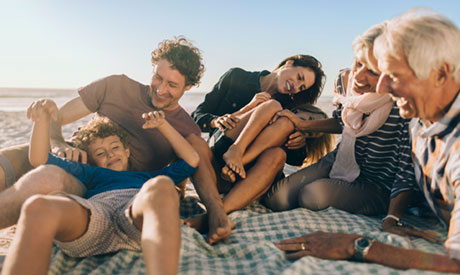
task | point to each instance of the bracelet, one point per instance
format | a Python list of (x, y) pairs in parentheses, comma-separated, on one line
[(393, 217)]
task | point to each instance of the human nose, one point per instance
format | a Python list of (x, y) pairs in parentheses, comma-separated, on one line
[(360, 73), (161, 88), (383, 85)]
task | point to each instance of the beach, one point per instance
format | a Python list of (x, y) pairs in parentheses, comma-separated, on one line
[(15, 128)]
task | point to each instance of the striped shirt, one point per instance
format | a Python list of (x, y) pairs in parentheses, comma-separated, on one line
[(436, 150), (384, 156)]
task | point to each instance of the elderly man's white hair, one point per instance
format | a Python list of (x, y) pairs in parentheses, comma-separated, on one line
[(426, 38)]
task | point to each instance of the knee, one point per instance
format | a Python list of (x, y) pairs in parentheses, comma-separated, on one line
[(314, 196), (39, 208), (275, 158), (159, 191), (44, 179), (284, 124), (271, 106)]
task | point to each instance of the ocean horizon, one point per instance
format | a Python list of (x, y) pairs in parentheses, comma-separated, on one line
[(19, 99)]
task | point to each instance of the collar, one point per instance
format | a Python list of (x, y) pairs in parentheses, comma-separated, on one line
[(445, 125)]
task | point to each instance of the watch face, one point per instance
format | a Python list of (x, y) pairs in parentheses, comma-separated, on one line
[(363, 242)]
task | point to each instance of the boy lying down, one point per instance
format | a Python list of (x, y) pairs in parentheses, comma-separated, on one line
[(122, 209)]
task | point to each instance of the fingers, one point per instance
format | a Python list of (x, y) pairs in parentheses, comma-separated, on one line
[(227, 121), (36, 109), (296, 141), (71, 154), (153, 119), (297, 255), (297, 246)]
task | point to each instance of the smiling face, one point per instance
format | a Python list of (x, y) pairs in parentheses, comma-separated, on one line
[(293, 79), (414, 97), (109, 153), (167, 86), (363, 78)]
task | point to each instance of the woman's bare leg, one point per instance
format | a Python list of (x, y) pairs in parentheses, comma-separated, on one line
[(260, 178), (258, 120), (274, 135), (43, 218)]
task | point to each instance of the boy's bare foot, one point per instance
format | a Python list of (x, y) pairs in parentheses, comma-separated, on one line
[(227, 174), (217, 228), (234, 160)]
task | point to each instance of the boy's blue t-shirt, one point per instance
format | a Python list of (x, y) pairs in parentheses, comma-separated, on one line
[(98, 180)]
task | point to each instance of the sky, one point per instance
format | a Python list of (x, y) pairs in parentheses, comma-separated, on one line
[(68, 44)]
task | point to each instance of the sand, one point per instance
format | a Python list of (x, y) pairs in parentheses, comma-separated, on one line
[(15, 129)]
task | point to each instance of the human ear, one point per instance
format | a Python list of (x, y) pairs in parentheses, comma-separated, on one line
[(188, 87), (128, 152), (442, 74)]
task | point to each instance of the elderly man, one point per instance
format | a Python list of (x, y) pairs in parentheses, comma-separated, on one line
[(419, 58)]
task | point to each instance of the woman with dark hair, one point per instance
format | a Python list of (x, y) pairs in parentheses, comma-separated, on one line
[(241, 105)]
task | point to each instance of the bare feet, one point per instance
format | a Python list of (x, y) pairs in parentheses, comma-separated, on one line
[(217, 228), (227, 174), (234, 159)]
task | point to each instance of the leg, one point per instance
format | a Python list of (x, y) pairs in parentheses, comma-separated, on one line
[(205, 183), (42, 180), (43, 218), (155, 211), (356, 197), (260, 178), (273, 135), (18, 159), (284, 194), (258, 120)]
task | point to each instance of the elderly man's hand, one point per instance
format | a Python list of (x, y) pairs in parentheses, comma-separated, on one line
[(325, 245), (391, 226)]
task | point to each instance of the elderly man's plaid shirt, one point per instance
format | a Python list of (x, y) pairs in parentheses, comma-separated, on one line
[(436, 153)]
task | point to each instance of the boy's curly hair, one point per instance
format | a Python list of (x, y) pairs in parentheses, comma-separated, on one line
[(98, 127), (183, 57)]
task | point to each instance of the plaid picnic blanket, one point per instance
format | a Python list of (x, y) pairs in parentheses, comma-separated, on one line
[(250, 248)]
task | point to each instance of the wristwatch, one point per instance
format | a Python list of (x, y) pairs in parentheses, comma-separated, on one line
[(362, 246)]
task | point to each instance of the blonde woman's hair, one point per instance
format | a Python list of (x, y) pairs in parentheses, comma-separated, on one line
[(365, 42), (316, 147)]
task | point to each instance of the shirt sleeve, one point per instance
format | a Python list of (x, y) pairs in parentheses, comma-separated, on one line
[(93, 94), (405, 176), (206, 111), (178, 171), (453, 176), (83, 172)]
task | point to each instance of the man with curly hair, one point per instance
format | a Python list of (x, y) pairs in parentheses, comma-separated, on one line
[(177, 66)]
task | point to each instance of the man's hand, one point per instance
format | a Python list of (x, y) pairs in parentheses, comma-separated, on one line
[(324, 245), (64, 150), (153, 119), (227, 121), (36, 110), (391, 226), (296, 140)]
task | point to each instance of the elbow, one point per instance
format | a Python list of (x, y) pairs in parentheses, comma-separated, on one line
[(36, 162)]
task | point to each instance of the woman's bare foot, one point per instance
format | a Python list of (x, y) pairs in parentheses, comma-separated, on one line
[(234, 160), (227, 174)]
